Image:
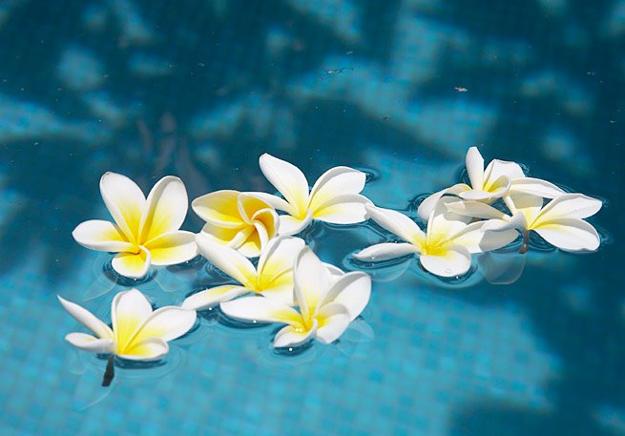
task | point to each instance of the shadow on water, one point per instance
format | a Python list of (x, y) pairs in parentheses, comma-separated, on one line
[(185, 91)]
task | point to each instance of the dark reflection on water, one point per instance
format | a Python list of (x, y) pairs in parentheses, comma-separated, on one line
[(202, 89)]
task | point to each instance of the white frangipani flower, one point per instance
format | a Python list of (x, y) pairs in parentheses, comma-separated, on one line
[(560, 222), (444, 250), (145, 231), (326, 304), (138, 333), (240, 220), (487, 185), (273, 278), (335, 197)]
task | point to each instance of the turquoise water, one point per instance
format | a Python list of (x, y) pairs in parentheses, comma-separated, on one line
[(399, 89)]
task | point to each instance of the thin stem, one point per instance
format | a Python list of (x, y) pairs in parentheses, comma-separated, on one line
[(510, 204), (109, 372), (524, 244)]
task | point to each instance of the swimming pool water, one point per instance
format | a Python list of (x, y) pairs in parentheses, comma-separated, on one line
[(399, 89)]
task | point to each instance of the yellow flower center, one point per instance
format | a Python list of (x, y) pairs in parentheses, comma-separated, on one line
[(305, 324), (494, 185), (435, 245)]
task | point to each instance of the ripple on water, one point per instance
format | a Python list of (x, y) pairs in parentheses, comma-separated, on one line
[(89, 392), (389, 270), (371, 174), (127, 281), (536, 243), (225, 320)]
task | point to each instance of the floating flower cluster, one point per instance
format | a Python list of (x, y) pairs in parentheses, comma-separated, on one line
[(288, 283), (463, 220)]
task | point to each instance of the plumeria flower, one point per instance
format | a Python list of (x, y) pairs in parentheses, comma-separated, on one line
[(335, 197), (326, 304), (487, 185), (273, 278), (560, 222), (145, 231), (138, 333), (240, 220), (444, 249)]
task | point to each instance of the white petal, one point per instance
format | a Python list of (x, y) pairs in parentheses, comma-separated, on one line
[(427, 206), (516, 222), (266, 224), (125, 202), (496, 225), (290, 336), (470, 237), (290, 225), (343, 209), (167, 323), (220, 208), (443, 224), (525, 204), (101, 235), (569, 206), (281, 290), (570, 234), (129, 310), (475, 167), (87, 319), (132, 265), (502, 168), (287, 179), (90, 343), (251, 247), (213, 296), (228, 260), (172, 248), (274, 201), (353, 291), (497, 188), (455, 262), (474, 209), (335, 182), (335, 271), (397, 223), (475, 195), (312, 281), (495, 240), (278, 257), (147, 350), (385, 251), (541, 188), (333, 321), (166, 208), (263, 238), (250, 205), (260, 309), (231, 237)]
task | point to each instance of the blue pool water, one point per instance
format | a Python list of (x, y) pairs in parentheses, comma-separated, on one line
[(397, 88)]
